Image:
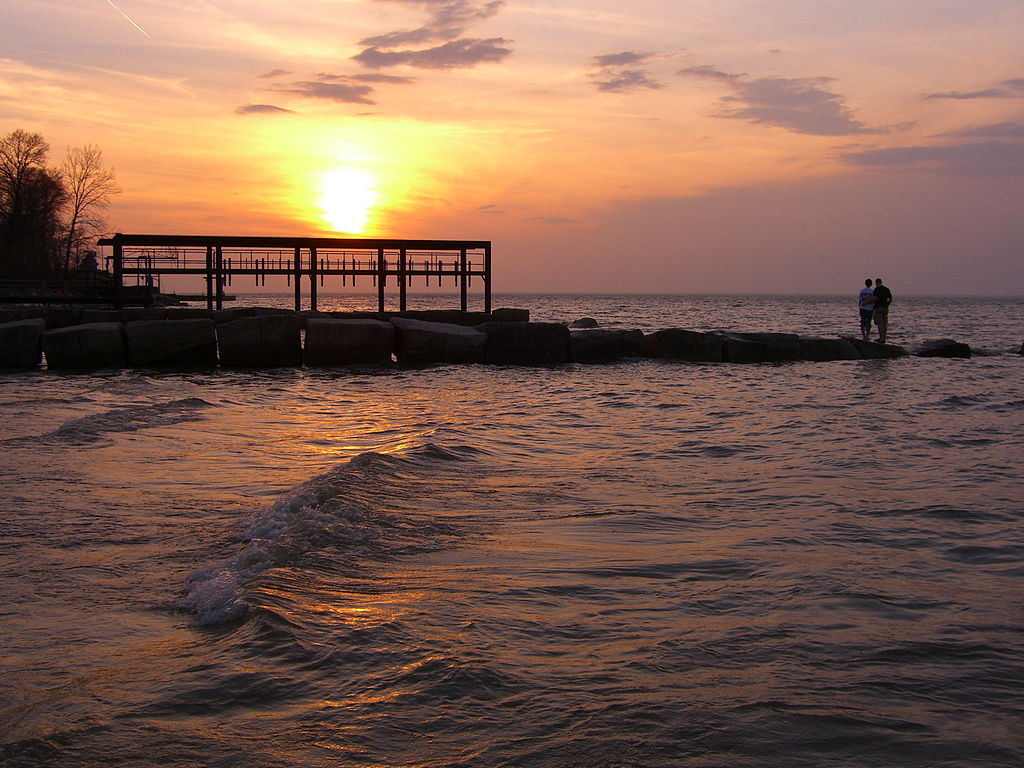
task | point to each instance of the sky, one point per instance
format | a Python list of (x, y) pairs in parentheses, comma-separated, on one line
[(707, 146)]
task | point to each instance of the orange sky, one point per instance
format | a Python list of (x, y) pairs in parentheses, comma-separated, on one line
[(706, 146)]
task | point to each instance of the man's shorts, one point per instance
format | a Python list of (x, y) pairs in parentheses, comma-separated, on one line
[(865, 318), (881, 315)]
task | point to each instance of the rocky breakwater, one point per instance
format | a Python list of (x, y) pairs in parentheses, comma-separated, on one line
[(256, 337)]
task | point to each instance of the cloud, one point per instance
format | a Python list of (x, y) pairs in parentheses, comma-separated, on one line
[(446, 23), (995, 131), (625, 81), (1008, 89), (620, 59), (987, 158), (447, 20), (262, 109), (710, 72), (366, 78), (613, 77), (347, 89), (349, 93), (456, 54), (274, 73), (798, 104)]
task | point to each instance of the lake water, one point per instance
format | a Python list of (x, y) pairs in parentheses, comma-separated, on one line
[(643, 564)]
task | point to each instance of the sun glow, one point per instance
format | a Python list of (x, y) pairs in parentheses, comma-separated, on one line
[(347, 198)]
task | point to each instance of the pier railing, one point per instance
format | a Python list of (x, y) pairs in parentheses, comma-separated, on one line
[(376, 261)]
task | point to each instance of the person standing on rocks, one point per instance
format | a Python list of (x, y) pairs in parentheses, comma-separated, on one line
[(866, 302), (883, 298)]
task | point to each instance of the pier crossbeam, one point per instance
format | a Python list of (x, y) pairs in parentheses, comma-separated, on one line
[(219, 258)]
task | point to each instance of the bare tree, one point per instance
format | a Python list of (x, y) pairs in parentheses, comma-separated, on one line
[(89, 187)]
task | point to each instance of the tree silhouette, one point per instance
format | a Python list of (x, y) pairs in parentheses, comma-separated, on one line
[(31, 199), (89, 187)]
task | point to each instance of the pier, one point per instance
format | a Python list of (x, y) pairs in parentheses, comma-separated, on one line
[(311, 260)]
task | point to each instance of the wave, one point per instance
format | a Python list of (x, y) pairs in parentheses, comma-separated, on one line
[(91, 428), (341, 516)]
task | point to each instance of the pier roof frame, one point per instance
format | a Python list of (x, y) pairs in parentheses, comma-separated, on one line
[(256, 241), (218, 265)]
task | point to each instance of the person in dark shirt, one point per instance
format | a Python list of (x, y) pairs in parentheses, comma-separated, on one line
[(883, 298)]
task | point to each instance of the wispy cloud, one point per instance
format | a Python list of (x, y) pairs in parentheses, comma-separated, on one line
[(457, 54), (346, 92), (801, 105), (274, 73), (262, 109), (987, 158), (346, 89), (1006, 130), (447, 22), (1008, 89), (614, 76)]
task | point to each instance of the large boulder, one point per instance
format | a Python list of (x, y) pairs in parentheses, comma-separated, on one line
[(273, 339), (60, 317), (820, 350), (584, 322), (872, 350), (231, 313), (943, 348), (739, 349), (20, 343), (171, 342), (520, 343), (100, 316), (188, 313), (347, 342), (778, 347), (134, 314), (604, 346), (681, 344), (510, 315), (90, 345), (418, 342)]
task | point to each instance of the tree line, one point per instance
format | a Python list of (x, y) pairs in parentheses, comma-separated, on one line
[(50, 217)]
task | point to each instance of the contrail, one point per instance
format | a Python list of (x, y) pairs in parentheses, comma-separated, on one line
[(129, 19)]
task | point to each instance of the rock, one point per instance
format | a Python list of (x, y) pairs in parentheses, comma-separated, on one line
[(188, 313), (171, 342), (778, 347), (418, 342), (100, 316), (60, 317), (738, 349), (232, 313), (872, 350), (132, 314), (680, 344), (509, 315), (820, 350), (262, 340), (584, 322), (604, 346), (90, 345), (519, 343), (347, 342), (21, 343), (14, 314), (943, 348)]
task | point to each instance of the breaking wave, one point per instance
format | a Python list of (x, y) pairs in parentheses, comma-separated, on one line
[(345, 517)]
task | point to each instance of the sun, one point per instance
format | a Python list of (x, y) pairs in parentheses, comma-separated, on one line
[(347, 197)]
